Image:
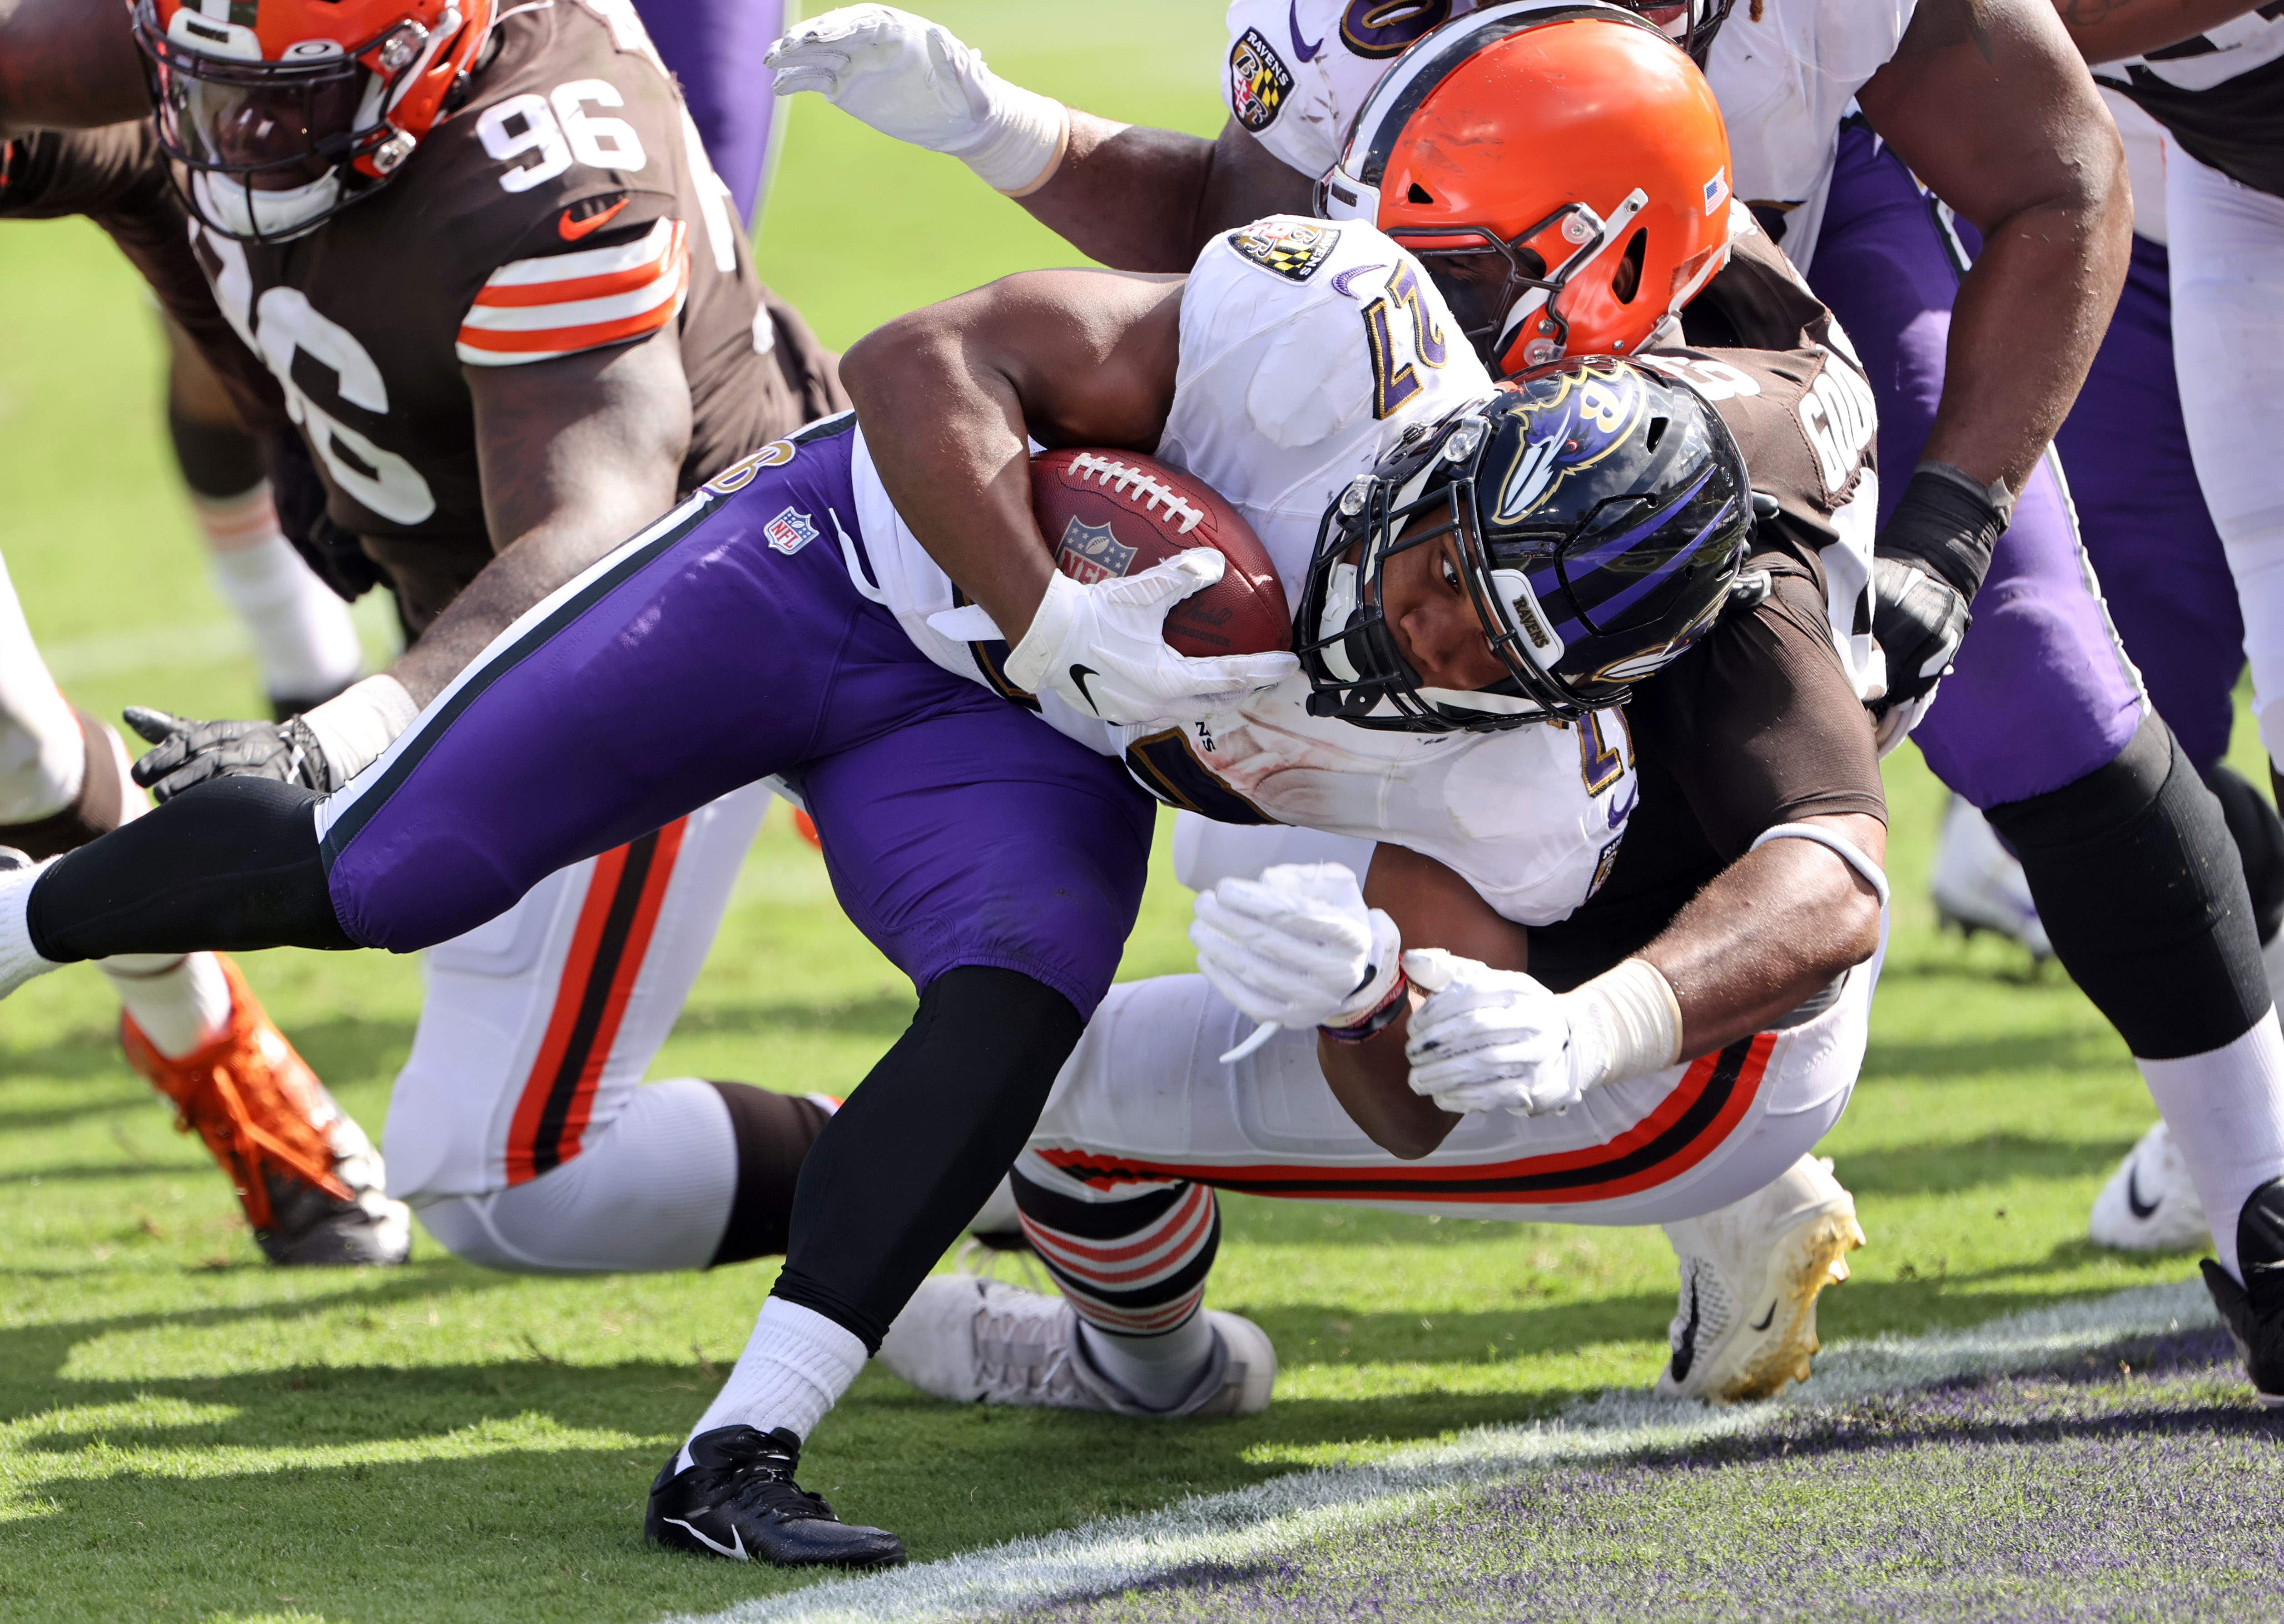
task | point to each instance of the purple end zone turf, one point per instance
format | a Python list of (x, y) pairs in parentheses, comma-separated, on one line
[(2140, 1483)]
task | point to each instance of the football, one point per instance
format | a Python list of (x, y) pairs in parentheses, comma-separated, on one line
[(1118, 512)]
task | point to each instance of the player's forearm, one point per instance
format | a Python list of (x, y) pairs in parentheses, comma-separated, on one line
[(2030, 315), (1768, 934), (68, 65), (2111, 30), (1372, 1082), (1126, 194), (944, 427)]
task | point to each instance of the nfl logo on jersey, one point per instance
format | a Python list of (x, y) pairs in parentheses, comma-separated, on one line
[(789, 532), (1089, 553)]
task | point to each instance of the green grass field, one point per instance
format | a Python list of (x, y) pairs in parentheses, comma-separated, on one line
[(188, 1433)]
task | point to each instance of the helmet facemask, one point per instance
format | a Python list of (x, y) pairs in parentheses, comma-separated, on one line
[(266, 150), (1355, 663), (1510, 306), (1592, 550)]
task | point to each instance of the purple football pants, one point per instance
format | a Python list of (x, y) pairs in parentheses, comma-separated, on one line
[(2040, 694), (714, 48), (2143, 519), (959, 830)]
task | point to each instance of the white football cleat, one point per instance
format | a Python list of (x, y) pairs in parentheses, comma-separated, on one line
[(1978, 886), (972, 1340), (1750, 1277), (2150, 1204)]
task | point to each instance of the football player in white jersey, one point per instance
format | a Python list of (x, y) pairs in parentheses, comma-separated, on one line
[(2045, 725), (1006, 898)]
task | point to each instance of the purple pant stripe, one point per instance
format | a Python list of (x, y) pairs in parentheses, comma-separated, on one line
[(2041, 694)]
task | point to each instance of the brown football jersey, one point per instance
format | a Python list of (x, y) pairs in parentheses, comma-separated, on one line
[(565, 205), (1758, 723)]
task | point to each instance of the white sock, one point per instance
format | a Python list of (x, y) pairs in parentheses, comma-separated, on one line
[(43, 757), (180, 1001), (2226, 1111), (796, 1367), (302, 635), (19, 962), (1160, 1370)]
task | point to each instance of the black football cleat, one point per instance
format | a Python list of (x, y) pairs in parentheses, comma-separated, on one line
[(738, 1499), (2255, 1310)]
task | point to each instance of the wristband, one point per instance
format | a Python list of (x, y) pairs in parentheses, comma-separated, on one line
[(1948, 525), (355, 726), (1378, 1019), (1624, 1023)]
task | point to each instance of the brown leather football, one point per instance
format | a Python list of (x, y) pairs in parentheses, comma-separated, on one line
[(1118, 512)]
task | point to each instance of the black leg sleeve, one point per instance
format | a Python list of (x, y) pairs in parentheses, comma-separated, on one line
[(915, 1151), (2143, 894), (232, 865)]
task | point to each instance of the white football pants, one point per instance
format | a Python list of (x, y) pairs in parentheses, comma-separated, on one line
[(2226, 242), (519, 1130), (1146, 1101), (43, 758)]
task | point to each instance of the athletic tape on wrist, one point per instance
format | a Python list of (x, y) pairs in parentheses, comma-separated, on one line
[(355, 727), (1634, 1008), (1846, 852)]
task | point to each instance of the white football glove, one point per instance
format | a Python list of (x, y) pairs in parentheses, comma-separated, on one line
[(1488, 1040), (1495, 1040), (912, 79), (1103, 647), (1297, 947)]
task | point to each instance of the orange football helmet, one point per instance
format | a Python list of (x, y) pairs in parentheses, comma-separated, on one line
[(1562, 170), (282, 113)]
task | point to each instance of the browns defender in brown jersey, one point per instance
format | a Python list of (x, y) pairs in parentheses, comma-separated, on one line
[(512, 316)]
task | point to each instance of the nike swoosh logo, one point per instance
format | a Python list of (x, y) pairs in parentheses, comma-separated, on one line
[(2142, 1209), (1079, 673), (1341, 282), (1618, 815), (736, 1553), (1768, 1319), (1686, 1355), (572, 231), (1306, 53)]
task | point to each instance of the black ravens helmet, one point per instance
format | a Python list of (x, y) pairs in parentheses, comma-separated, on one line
[(1601, 514)]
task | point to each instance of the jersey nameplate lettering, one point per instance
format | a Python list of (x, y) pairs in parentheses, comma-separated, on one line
[(1291, 248), (1258, 80)]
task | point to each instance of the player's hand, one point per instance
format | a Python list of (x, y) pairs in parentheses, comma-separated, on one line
[(1489, 1040), (1297, 946), (915, 80), (190, 753), (1918, 621), (1103, 648)]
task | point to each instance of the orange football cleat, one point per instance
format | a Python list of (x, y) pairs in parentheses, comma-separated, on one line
[(310, 1182)]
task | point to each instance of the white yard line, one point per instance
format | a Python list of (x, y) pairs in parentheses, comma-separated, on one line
[(1250, 1523)]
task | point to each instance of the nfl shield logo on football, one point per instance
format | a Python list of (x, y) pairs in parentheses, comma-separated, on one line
[(789, 532), (1089, 553)]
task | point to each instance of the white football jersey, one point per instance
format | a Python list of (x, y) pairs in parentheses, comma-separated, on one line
[(1785, 71), (1307, 349)]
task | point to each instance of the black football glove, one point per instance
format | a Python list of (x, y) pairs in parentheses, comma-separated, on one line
[(190, 753), (1929, 563), (1918, 621)]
